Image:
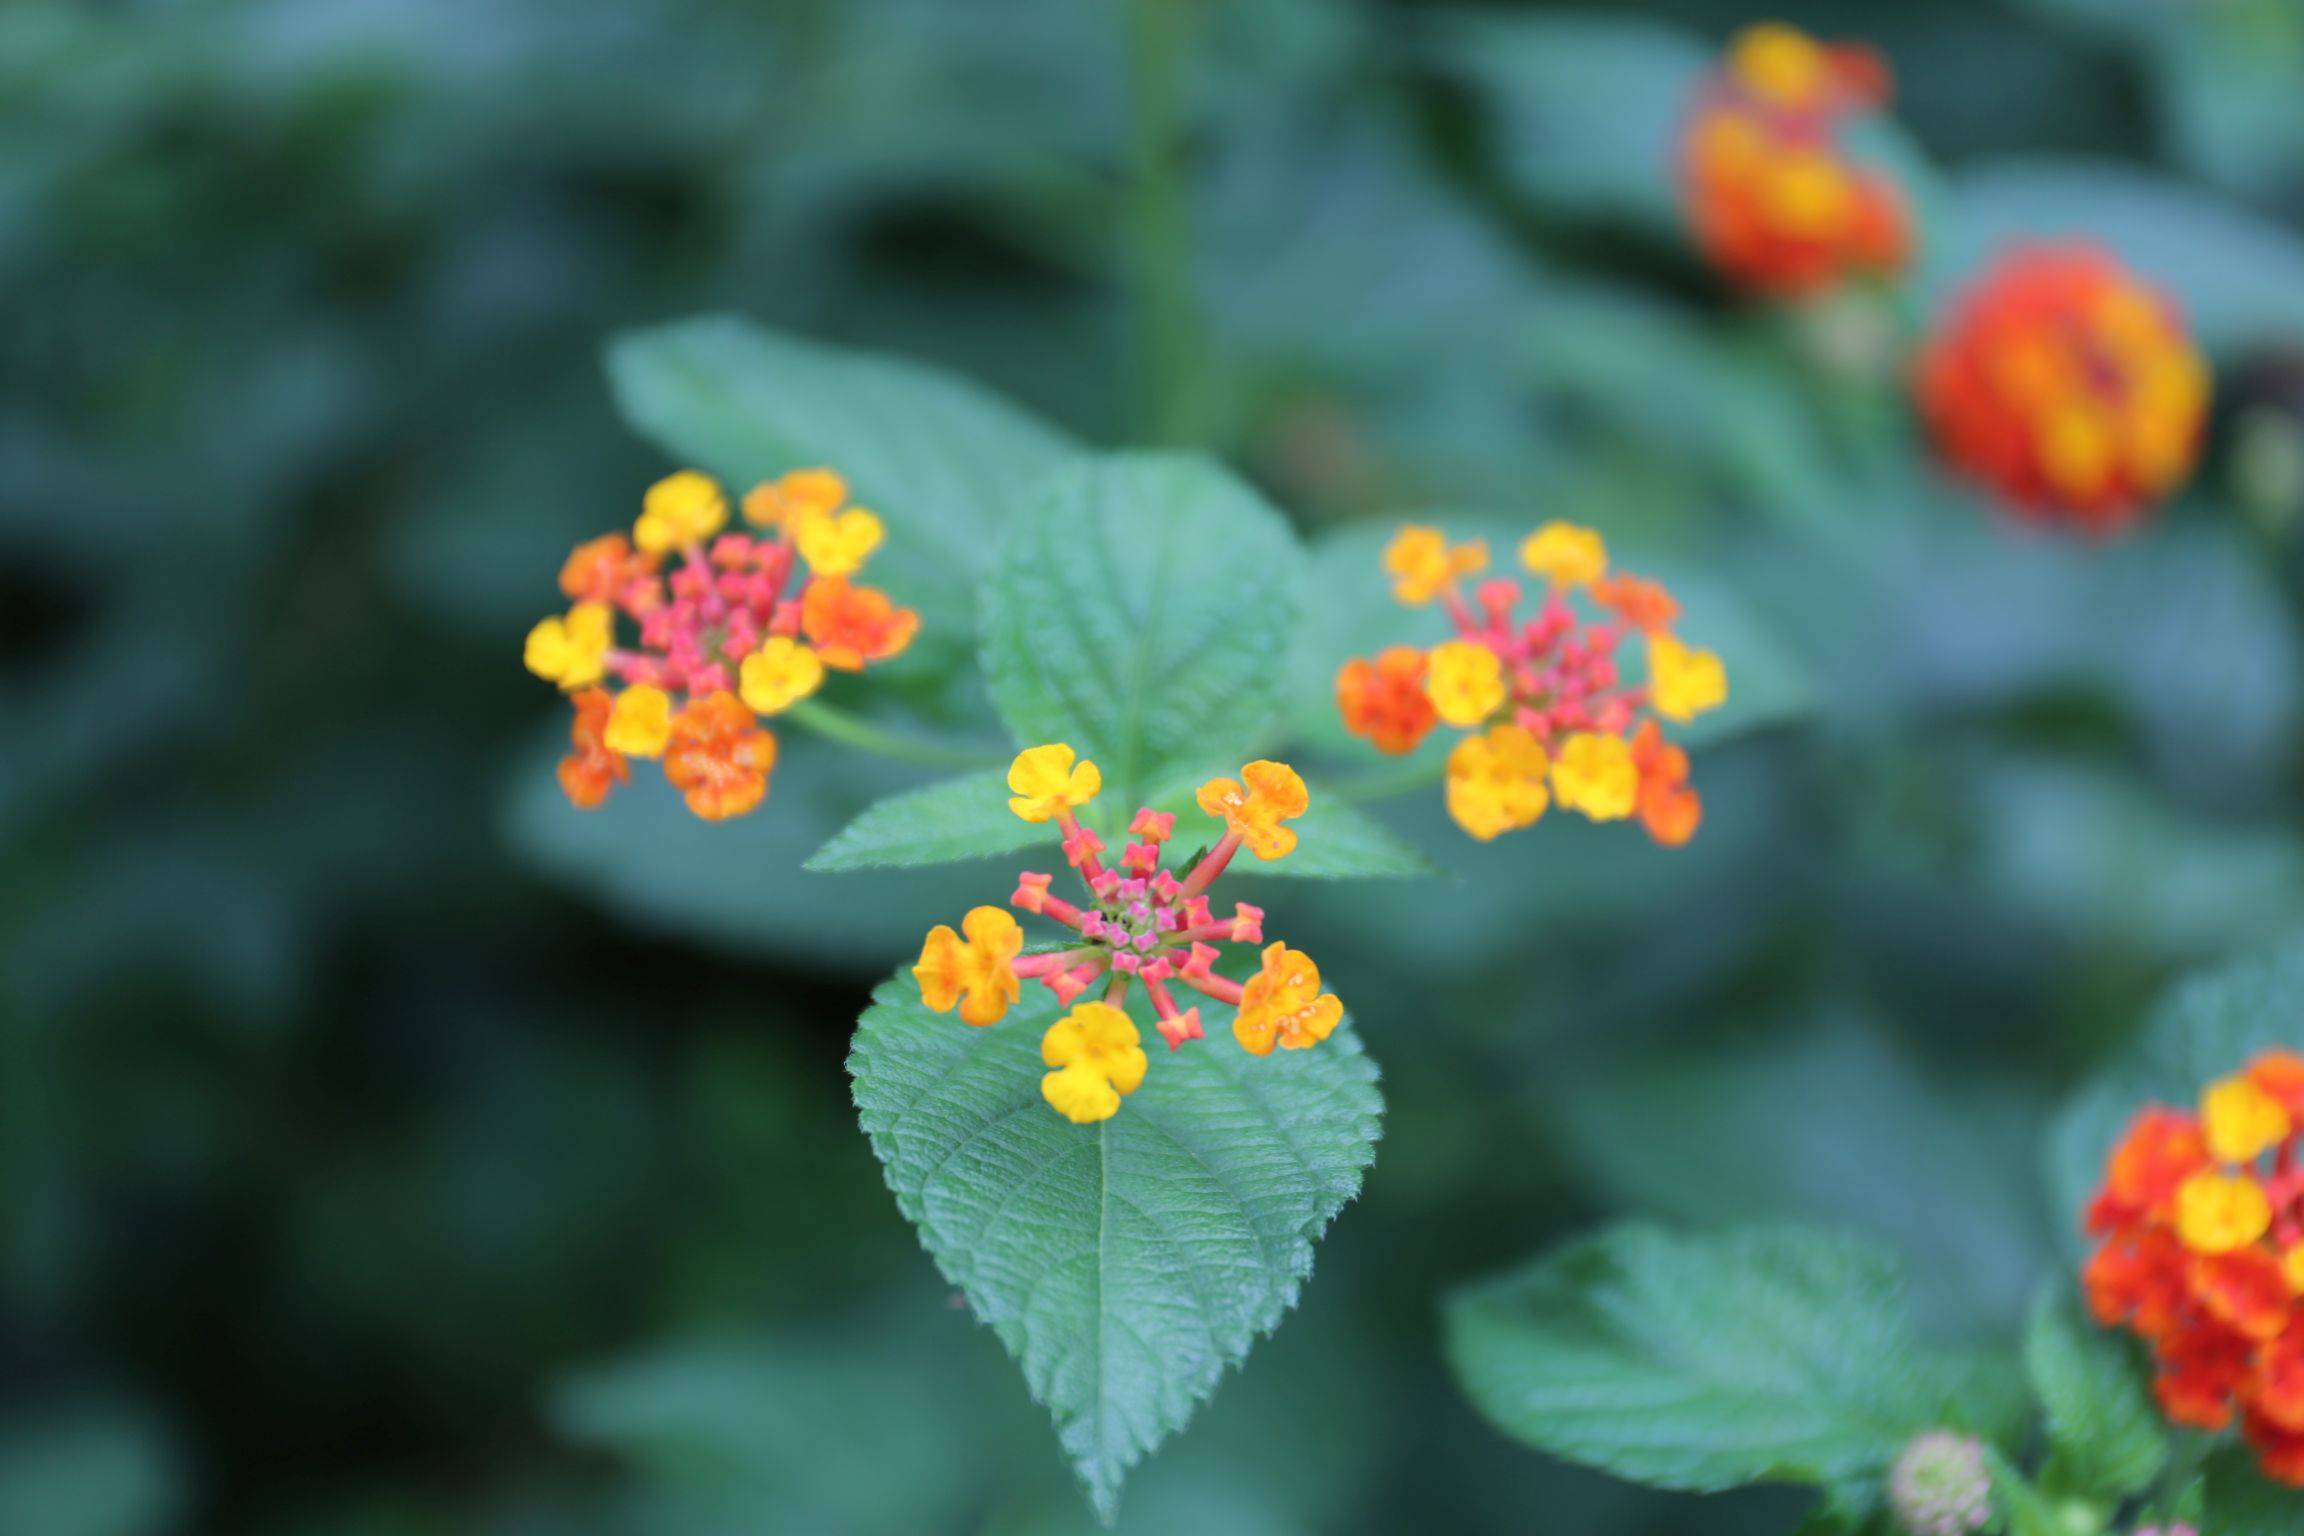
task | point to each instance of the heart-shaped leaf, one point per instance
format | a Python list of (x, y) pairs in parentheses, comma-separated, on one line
[(1140, 610), (1126, 1264)]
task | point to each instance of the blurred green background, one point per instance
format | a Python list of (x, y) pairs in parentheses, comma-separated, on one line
[(386, 1148)]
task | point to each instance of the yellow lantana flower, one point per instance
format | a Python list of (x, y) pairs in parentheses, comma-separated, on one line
[(681, 509), (1565, 554), (641, 722), (1684, 681), (1283, 1005), (795, 498), (1780, 64), (1465, 681), (2242, 1121), (1496, 782), (838, 544), (779, 675), (1272, 794), (572, 651), (2221, 1213), (1045, 780), (1423, 564), (1099, 1060), (978, 973), (1596, 775)]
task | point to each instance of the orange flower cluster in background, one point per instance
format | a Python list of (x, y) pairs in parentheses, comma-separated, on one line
[(2068, 385), (1551, 718), (1774, 198), (730, 627), (2202, 1220)]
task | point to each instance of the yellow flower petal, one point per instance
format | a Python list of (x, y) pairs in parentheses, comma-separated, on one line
[(2221, 1213), (681, 509), (1683, 681), (779, 674), (640, 723), (1596, 775), (1465, 682), (838, 545), (1047, 779), (1565, 554), (2242, 1121)]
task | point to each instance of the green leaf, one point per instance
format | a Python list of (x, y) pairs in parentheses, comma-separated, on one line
[(943, 462), (2241, 1501), (1702, 1362), (2206, 1028), (737, 885), (2102, 1426), (1140, 610), (2238, 276), (1585, 111), (961, 818), (1125, 1265)]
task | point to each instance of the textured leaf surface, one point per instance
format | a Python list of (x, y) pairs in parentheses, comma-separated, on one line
[(2106, 1434), (961, 818), (1125, 1265), (1141, 611), (2206, 1028), (1701, 1362), (942, 461)]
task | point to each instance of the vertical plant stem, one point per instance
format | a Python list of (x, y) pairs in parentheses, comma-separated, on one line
[(1167, 343)]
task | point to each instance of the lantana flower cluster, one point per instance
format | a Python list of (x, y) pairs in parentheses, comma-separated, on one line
[(2201, 1217), (1775, 198), (727, 628), (1138, 924), (2068, 385), (1549, 714)]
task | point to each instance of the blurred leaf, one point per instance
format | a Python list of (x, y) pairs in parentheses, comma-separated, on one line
[(942, 823), (1826, 1127), (738, 885), (2205, 1028), (2239, 278), (1139, 611), (2104, 1429), (942, 461), (1704, 1363), (1127, 1264), (2241, 1501), (1585, 109), (90, 1470)]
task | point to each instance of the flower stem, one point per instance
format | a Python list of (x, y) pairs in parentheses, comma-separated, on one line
[(1167, 342), (837, 724)]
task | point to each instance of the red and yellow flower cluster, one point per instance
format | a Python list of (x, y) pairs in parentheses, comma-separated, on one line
[(730, 627), (1776, 202), (1551, 718), (1141, 924), (2202, 1221), (2068, 385)]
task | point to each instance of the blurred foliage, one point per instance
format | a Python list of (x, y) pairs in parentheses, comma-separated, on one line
[(389, 1149)]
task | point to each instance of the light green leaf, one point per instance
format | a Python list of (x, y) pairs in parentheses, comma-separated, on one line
[(1125, 1265), (2105, 1432), (961, 818), (2206, 1028), (1702, 1362), (2241, 1501), (943, 462), (1140, 611)]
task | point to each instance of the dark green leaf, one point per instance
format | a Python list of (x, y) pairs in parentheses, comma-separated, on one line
[(1125, 1265), (2241, 1501), (1702, 1363), (1141, 611), (942, 823)]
